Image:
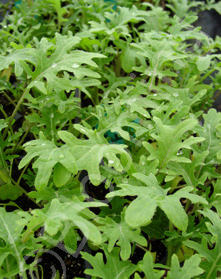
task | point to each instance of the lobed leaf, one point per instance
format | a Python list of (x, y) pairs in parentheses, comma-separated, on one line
[(189, 270), (119, 269), (89, 153), (141, 210), (122, 235)]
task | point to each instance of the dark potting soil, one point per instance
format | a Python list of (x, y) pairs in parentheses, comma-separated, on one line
[(56, 261), (94, 192)]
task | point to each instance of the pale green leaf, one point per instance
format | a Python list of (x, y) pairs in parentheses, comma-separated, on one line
[(212, 260), (12, 248), (189, 270), (48, 156), (113, 268), (3, 124), (122, 235), (212, 120), (60, 175), (203, 63), (61, 214), (147, 267), (89, 153), (141, 210), (170, 140), (175, 212), (40, 85)]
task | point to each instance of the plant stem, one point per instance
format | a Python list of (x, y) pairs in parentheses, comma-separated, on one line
[(154, 74), (9, 98), (170, 247), (22, 139), (22, 173), (183, 78), (15, 111), (117, 64), (207, 74)]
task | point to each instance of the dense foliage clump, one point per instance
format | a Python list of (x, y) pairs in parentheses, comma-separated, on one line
[(109, 140)]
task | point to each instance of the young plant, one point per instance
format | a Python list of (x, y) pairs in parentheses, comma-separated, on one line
[(109, 140)]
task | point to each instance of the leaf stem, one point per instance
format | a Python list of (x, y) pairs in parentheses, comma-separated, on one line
[(170, 247), (22, 139), (9, 98), (15, 111), (154, 73), (207, 74), (213, 267)]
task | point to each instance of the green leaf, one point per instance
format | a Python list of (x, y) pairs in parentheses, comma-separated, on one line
[(114, 23), (203, 63), (215, 6), (60, 175), (48, 156), (3, 124), (49, 59), (147, 267), (209, 131), (140, 211), (62, 214), (189, 270), (76, 155), (40, 85), (110, 120), (170, 140), (61, 59), (115, 118), (9, 191), (25, 54), (138, 104), (113, 268), (60, 10), (128, 59), (89, 153), (12, 248), (149, 197), (70, 240), (122, 235), (191, 172), (175, 212), (211, 257), (137, 276), (181, 7), (160, 52)]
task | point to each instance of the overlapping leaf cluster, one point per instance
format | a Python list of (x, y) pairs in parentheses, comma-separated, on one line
[(116, 90)]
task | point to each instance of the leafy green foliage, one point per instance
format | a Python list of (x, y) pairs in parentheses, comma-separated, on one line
[(147, 267), (122, 235), (167, 138), (11, 245), (47, 67), (89, 153), (46, 161), (107, 134), (142, 209), (211, 264), (68, 214), (189, 270), (101, 270)]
